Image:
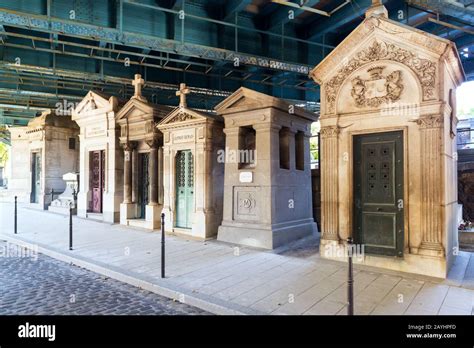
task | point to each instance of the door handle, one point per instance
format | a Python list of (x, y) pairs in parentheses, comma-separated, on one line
[(379, 209)]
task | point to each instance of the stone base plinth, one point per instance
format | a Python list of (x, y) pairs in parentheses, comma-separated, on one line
[(153, 216), (419, 264), (152, 219), (127, 211), (265, 236)]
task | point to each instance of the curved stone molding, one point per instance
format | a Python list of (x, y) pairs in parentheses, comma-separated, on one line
[(424, 69)]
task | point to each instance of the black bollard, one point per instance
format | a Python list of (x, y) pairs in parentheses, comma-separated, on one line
[(162, 245), (350, 280), (15, 219), (70, 227)]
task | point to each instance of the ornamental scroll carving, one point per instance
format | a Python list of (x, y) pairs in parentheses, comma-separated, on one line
[(378, 89), (425, 69), (182, 116)]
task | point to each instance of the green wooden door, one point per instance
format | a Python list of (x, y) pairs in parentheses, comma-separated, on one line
[(35, 176), (184, 188), (378, 193)]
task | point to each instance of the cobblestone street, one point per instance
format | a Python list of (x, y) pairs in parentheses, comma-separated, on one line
[(40, 285)]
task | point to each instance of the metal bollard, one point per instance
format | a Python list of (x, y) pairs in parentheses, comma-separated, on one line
[(350, 280), (70, 227), (162, 245), (15, 219)]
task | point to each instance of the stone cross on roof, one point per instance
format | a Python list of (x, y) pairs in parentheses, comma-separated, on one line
[(138, 83), (183, 90)]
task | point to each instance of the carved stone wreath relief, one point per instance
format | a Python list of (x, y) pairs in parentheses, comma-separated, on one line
[(378, 89), (389, 87)]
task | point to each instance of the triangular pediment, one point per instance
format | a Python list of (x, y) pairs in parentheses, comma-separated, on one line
[(92, 102), (185, 115), (136, 109), (245, 99), (379, 29)]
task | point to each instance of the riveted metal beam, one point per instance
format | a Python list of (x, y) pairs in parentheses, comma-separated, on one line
[(111, 35)]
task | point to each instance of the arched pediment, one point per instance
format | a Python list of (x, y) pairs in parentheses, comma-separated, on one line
[(388, 84)]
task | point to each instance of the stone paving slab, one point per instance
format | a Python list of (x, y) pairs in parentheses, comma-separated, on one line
[(227, 279)]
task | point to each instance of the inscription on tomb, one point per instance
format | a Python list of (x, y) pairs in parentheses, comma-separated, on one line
[(183, 137), (95, 131)]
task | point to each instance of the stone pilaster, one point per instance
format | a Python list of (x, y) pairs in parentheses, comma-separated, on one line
[(127, 172), (160, 175), (431, 132), (231, 144), (134, 174), (153, 173), (329, 184)]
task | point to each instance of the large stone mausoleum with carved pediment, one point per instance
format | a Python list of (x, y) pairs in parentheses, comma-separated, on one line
[(42, 153), (101, 158), (193, 175), (142, 143), (388, 147)]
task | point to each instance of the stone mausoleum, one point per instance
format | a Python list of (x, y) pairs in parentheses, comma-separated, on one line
[(388, 146), (101, 158), (193, 174), (141, 142), (267, 182), (42, 152)]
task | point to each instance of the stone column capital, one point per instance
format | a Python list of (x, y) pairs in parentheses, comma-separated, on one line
[(431, 121), (129, 145), (152, 143), (330, 131)]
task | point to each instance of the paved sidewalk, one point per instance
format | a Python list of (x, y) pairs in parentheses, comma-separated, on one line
[(225, 279)]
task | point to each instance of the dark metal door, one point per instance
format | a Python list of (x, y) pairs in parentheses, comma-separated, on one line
[(378, 192), (143, 184), (97, 172), (35, 177), (184, 188)]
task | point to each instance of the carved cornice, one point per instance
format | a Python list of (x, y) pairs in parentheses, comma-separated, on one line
[(425, 69), (432, 121), (329, 132)]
